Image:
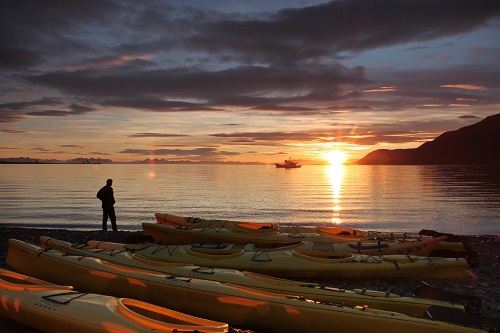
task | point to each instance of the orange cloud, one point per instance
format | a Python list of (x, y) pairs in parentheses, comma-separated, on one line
[(107, 62), (381, 89), (464, 86)]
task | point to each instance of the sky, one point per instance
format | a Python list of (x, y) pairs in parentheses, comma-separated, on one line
[(241, 81)]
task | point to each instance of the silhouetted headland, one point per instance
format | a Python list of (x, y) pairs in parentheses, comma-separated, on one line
[(477, 144)]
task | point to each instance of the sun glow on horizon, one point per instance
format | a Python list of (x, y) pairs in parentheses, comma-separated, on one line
[(335, 157)]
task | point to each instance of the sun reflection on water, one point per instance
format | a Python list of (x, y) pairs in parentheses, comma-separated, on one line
[(336, 175)]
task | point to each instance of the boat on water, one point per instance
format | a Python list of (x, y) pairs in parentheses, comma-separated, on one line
[(288, 164), (295, 264), (56, 308), (113, 252), (238, 306)]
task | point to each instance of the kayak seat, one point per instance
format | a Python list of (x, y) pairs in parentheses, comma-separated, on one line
[(367, 246), (194, 219), (276, 246)]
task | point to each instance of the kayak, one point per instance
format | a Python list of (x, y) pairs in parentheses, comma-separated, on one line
[(291, 231), (306, 264), (420, 247), (167, 234), (372, 298), (342, 234), (54, 308), (238, 306)]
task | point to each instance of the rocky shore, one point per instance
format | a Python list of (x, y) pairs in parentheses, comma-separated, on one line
[(481, 281)]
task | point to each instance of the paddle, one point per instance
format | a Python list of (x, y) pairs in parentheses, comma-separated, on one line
[(457, 316), (471, 256), (426, 291), (465, 239)]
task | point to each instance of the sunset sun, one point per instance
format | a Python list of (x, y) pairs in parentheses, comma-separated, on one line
[(335, 157)]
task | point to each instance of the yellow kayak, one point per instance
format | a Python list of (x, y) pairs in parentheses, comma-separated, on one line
[(167, 234), (259, 227), (253, 232), (54, 308), (306, 264), (372, 298), (419, 247), (238, 306)]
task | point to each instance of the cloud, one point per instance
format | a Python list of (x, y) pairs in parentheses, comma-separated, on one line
[(9, 148), (311, 63), (155, 135), (393, 137), (213, 84), (14, 111), (105, 62), (275, 61), (381, 90), (74, 146), (469, 116), (464, 86), (62, 28), (98, 153), (292, 35), (13, 131), (181, 153), (75, 109), (19, 58)]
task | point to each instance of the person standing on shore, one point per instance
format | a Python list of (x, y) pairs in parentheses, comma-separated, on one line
[(107, 197)]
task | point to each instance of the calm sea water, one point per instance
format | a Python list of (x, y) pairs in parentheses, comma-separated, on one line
[(456, 199)]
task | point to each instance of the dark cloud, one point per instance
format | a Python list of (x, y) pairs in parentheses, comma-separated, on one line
[(75, 109), (19, 58), (268, 136), (293, 35), (8, 116), (74, 146), (213, 84), (61, 28), (165, 57), (14, 111), (13, 131), (357, 136), (20, 106), (51, 28), (181, 153), (392, 137), (244, 86), (155, 135), (292, 43), (98, 153), (469, 116)]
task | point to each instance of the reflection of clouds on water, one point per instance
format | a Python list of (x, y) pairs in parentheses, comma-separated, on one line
[(475, 185), (460, 200)]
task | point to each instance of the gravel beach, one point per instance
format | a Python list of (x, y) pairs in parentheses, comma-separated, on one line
[(481, 281)]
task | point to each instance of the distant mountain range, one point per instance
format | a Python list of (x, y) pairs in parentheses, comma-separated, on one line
[(92, 160), (29, 160), (477, 144)]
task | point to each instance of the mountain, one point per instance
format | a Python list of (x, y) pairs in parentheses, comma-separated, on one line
[(477, 144)]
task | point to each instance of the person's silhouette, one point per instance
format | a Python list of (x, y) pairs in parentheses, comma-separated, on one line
[(107, 197)]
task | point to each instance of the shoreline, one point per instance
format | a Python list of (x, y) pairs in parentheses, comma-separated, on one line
[(481, 281)]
